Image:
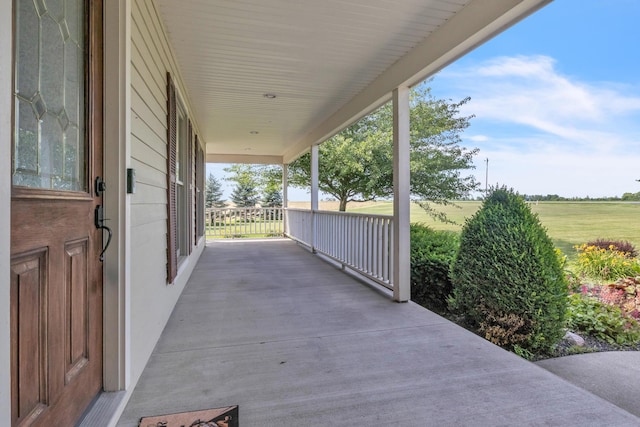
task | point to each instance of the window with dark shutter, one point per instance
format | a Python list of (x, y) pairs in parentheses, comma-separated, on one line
[(172, 223)]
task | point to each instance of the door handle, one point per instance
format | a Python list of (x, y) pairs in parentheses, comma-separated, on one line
[(99, 222)]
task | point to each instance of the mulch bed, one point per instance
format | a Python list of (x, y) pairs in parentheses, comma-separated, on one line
[(592, 345), (564, 348)]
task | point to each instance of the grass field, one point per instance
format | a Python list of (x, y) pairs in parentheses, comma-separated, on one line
[(567, 223)]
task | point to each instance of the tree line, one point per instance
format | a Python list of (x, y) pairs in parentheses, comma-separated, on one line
[(626, 197)]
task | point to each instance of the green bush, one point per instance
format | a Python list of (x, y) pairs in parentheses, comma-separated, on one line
[(432, 253), (507, 279), (587, 314)]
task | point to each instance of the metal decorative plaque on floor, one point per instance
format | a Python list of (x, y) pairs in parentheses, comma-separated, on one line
[(218, 417)]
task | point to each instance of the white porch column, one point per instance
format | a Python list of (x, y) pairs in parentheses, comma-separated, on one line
[(401, 200), (314, 194), (285, 197)]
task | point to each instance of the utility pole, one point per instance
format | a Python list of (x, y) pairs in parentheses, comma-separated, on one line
[(486, 178)]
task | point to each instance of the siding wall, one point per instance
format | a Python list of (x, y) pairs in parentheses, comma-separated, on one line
[(152, 300)]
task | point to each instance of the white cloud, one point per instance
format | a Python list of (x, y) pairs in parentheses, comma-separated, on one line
[(545, 132), (478, 138)]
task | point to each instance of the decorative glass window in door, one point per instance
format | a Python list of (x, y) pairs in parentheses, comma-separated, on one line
[(49, 141)]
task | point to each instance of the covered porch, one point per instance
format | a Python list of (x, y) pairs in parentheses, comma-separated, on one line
[(294, 341)]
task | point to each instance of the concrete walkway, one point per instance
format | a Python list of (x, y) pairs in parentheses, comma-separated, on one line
[(295, 342), (612, 375)]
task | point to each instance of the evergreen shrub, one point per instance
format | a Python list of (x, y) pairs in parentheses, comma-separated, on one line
[(432, 253), (507, 279)]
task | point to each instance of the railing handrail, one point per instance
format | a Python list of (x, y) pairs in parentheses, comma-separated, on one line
[(240, 209), (359, 214)]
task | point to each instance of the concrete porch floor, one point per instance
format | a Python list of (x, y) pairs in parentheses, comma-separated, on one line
[(296, 342)]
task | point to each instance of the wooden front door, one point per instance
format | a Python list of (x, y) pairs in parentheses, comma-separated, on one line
[(56, 276)]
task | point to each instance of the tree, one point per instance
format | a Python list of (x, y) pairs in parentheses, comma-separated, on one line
[(357, 164), (272, 198), (270, 180), (631, 196), (245, 193), (213, 198)]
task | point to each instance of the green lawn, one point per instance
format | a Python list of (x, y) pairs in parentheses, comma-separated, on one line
[(567, 223)]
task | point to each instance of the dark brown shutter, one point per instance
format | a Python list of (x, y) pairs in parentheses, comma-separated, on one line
[(203, 187), (198, 189), (188, 183), (172, 217)]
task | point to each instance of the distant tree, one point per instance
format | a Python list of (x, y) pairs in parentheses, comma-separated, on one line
[(213, 197), (357, 164), (272, 198), (245, 193), (353, 166), (270, 178), (631, 197)]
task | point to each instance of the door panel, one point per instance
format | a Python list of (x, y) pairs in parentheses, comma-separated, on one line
[(56, 277), (29, 333), (76, 308)]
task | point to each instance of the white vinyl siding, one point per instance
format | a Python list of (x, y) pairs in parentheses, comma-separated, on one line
[(151, 299)]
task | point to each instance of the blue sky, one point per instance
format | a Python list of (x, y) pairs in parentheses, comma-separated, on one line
[(556, 100)]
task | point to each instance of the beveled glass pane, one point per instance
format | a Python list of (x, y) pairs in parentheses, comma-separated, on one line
[(73, 18), (56, 9), (73, 81), (26, 153), (50, 138), (72, 153), (50, 151), (40, 6), (64, 29), (39, 107), (52, 69), (27, 49)]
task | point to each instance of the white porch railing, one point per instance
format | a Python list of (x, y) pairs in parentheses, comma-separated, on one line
[(298, 226), (361, 242), (239, 222)]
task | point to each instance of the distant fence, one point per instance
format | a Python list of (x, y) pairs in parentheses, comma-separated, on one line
[(241, 222)]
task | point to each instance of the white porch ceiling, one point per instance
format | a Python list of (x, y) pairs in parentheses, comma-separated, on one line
[(327, 61)]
